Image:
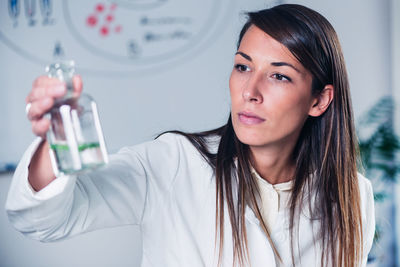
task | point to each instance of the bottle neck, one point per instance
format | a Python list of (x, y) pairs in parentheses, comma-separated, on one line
[(70, 92), (63, 71)]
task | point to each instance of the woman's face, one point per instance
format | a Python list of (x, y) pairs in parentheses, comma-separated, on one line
[(270, 92)]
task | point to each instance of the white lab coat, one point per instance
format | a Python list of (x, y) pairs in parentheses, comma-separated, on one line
[(167, 188)]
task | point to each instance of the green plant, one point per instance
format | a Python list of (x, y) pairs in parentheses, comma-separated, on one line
[(379, 144), (379, 149)]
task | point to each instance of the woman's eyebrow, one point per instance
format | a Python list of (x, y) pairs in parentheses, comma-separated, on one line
[(276, 64), (244, 55), (279, 64)]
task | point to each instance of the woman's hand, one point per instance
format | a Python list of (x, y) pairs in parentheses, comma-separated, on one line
[(44, 92), (41, 98)]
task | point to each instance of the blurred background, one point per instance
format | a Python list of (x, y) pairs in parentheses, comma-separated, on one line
[(156, 65)]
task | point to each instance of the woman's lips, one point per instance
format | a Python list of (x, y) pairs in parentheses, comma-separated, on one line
[(249, 118)]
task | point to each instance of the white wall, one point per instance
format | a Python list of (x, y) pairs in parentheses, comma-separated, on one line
[(192, 95)]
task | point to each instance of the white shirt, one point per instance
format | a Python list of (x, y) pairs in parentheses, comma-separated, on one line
[(274, 198), (167, 188)]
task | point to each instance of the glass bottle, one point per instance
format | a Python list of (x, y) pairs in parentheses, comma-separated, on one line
[(75, 136)]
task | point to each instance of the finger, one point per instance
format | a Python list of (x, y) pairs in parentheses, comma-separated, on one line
[(40, 127), (39, 108), (43, 81), (78, 85), (54, 91)]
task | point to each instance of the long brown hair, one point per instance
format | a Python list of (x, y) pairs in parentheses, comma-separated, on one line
[(325, 154)]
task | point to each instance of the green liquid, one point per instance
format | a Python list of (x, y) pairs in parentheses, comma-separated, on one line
[(65, 147), (90, 156)]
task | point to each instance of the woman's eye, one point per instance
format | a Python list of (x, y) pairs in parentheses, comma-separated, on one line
[(281, 77), (242, 68)]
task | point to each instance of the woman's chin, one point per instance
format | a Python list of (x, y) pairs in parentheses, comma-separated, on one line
[(250, 138)]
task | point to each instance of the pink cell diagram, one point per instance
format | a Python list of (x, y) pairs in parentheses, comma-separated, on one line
[(102, 19)]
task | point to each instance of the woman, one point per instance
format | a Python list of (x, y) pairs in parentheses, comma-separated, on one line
[(276, 186)]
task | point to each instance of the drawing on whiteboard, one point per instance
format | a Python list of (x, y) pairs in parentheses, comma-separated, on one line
[(169, 30), (133, 48), (146, 21), (104, 18), (46, 8), (30, 11), (140, 4), (14, 7), (154, 37), (58, 51), (112, 37)]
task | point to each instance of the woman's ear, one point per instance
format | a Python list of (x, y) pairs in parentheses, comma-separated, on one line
[(322, 101)]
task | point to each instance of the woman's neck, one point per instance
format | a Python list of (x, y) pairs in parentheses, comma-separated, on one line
[(273, 165)]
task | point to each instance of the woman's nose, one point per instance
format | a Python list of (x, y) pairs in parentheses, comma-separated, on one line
[(251, 92)]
